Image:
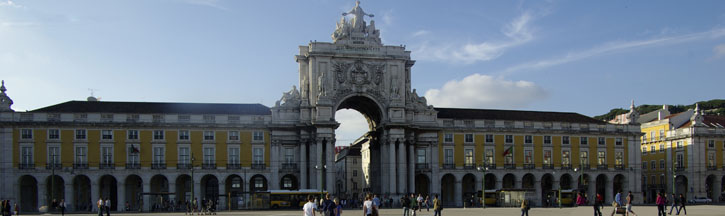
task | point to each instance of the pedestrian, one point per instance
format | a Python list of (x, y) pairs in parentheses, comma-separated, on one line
[(524, 207), (427, 203), (108, 206), (328, 206), (579, 199), (598, 204), (630, 197), (618, 198), (376, 201), (420, 202), (317, 204), (309, 208), (100, 206), (437, 208), (683, 201), (660, 201), (62, 207), (17, 211), (405, 202), (675, 202), (413, 204), (369, 208), (338, 207)]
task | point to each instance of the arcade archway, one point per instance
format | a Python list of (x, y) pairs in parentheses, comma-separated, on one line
[(448, 193), (422, 184), (565, 182), (134, 190), (602, 186), (108, 187), (55, 187), (28, 193), (209, 187), (509, 181), (82, 193)]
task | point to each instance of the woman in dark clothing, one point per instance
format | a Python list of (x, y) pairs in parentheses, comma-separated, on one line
[(682, 205)]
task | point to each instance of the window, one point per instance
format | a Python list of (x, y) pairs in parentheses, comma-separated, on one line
[(183, 135), (547, 140), (81, 155), (662, 134), (106, 154), (420, 156), (469, 157), (258, 157), (601, 141), (662, 147), (662, 179), (132, 154), (233, 119), (584, 157), (565, 140), (354, 172), (644, 137), (619, 158), (54, 154), (644, 150), (80, 134), (209, 135), (27, 152), (209, 155), (158, 134), (711, 159), (662, 164), (679, 144), (509, 159), (601, 158), (584, 141), (565, 158), (653, 165), (107, 134), (528, 139), (528, 157), (258, 136), (489, 156), (711, 143), (234, 156), (547, 157), (158, 155), (289, 155), (448, 156), (132, 134), (233, 135), (468, 138), (652, 149), (184, 155), (509, 139), (618, 141), (651, 136), (448, 138), (680, 161), (258, 183), (644, 165), (53, 134), (489, 138), (184, 118)]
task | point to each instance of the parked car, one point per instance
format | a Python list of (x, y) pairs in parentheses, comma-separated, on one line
[(700, 200)]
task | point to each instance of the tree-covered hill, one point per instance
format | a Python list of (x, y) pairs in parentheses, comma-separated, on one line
[(711, 107)]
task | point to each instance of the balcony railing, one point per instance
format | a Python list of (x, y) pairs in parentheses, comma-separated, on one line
[(709, 167), (421, 166), (259, 166), (158, 165), (529, 166), (183, 166), (291, 167), (449, 166), (107, 166), (602, 167), (547, 166), (234, 166), (509, 166), (566, 166), (619, 167), (469, 166), (133, 166), (53, 166), (491, 166), (26, 166), (585, 166), (679, 168), (80, 165), (208, 165)]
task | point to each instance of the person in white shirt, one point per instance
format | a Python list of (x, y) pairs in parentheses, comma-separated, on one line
[(368, 206), (108, 206), (309, 208), (100, 206)]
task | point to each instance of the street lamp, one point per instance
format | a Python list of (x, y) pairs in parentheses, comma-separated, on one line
[(559, 191), (322, 173), (483, 170), (192, 177), (52, 176)]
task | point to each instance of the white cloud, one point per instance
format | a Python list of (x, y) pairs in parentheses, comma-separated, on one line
[(484, 91), (420, 33), (615, 47), (10, 3), (207, 3), (518, 32), (352, 126), (719, 50)]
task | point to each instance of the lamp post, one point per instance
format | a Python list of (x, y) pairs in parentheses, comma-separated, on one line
[(192, 177), (559, 189), (52, 176), (483, 170), (322, 173)]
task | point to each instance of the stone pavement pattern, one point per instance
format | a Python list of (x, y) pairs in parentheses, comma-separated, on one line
[(705, 210)]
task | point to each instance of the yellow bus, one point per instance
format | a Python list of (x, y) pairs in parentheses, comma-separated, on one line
[(567, 197), (291, 198)]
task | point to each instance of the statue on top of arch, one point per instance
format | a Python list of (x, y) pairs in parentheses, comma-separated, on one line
[(356, 26), (290, 98)]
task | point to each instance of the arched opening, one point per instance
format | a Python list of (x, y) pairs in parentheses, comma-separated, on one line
[(183, 188), (289, 182), (448, 190), (602, 186), (565, 182), (528, 182), (547, 194), (618, 183), (709, 187), (28, 193), (108, 186), (509, 181), (210, 188), (234, 188), (422, 184), (55, 187), (258, 183), (134, 190), (159, 192), (583, 183), (82, 193), (490, 181), (468, 189)]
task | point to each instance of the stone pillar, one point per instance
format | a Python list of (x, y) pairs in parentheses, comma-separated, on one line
[(391, 167), (458, 193), (68, 196), (303, 165), (43, 194), (172, 189), (320, 158), (716, 189), (609, 191), (555, 185), (411, 168), (274, 159), (435, 179), (402, 167), (383, 169), (121, 195), (313, 158), (592, 190), (499, 183), (95, 194), (330, 162), (222, 199), (540, 200), (148, 199)]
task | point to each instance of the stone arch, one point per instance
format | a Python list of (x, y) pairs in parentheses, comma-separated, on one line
[(681, 182), (82, 200), (28, 194), (55, 187), (368, 106), (159, 190), (618, 183), (565, 182), (134, 189), (234, 187), (528, 181), (258, 183), (547, 193), (583, 182), (710, 187), (448, 182), (468, 187), (422, 184), (108, 190), (509, 181), (183, 188), (289, 182), (490, 181), (209, 187), (601, 186)]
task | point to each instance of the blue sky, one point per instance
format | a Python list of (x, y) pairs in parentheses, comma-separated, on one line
[(574, 56)]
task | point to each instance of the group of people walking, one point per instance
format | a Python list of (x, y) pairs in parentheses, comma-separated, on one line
[(6, 208), (371, 206), (104, 205), (207, 207), (677, 203)]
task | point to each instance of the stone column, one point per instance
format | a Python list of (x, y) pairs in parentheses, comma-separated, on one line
[(148, 199), (554, 186), (411, 168), (540, 201), (499, 182), (303, 165), (222, 199), (383, 168), (330, 161), (716, 190), (172, 189), (435, 179), (313, 158), (402, 167), (458, 193), (274, 159), (95, 193), (391, 167), (592, 190), (609, 191), (121, 195), (68, 196), (320, 158), (42, 194)]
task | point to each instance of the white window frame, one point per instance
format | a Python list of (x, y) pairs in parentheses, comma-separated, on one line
[(50, 132), (493, 156), (528, 139), (448, 138), (233, 136), (103, 135), (644, 150), (446, 156), (565, 140), (130, 154), (566, 157), (255, 160), (155, 135), (653, 165), (547, 140), (132, 135), (154, 158), (59, 156), (662, 147), (652, 149), (26, 134), (212, 154), (76, 134), (601, 141), (184, 135), (467, 156), (551, 156), (618, 141), (84, 159), (184, 159), (32, 153), (599, 159), (466, 138), (619, 161), (103, 161), (208, 135), (489, 138), (419, 158), (662, 164), (582, 160), (258, 136), (583, 140), (289, 155), (711, 144), (508, 139), (530, 152)]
